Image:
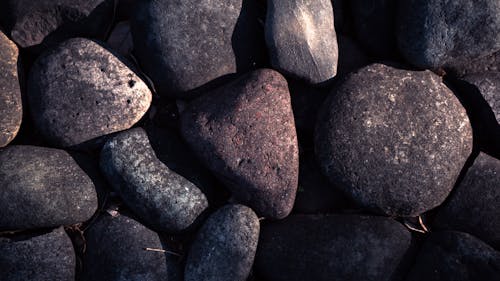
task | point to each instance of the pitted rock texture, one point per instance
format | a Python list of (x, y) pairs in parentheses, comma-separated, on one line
[(474, 205), (161, 198), (183, 45), (346, 247), (40, 257), (395, 140), (80, 91), (116, 251), (301, 39), (43, 187), (11, 108), (245, 133), (224, 248), (433, 34), (488, 83)]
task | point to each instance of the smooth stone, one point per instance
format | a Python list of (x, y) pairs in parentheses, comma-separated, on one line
[(37, 257), (488, 83), (342, 247), (161, 198), (301, 39), (43, 187), (394, 140), (224, 248), (80, 91), (116, 251), (245, 134), (11, 108), (455, 256), (434, 34)]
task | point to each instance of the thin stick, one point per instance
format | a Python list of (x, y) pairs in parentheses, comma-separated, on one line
[(414, 229), (162, 251), (422, 224)]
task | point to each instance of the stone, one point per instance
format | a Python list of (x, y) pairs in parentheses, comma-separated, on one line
[(316, 247), (43, 187), (120, 38), (244, 133), (301, 39), (489, 63), (11, 108), (474, 205), (447, 256), (434, 34), (488, 84), (183, 45), (80, 91), (161, 198), (224, 248), (394, 140), (116, 249), (37, 257)]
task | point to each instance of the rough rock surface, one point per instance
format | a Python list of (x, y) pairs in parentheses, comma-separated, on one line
[(225, 246), (43, 187), (433, 34), (80, 91), (183, 45), (488, 83), (395, 140), (348, 247), (11, 108), (489, 63), (41, 257), (301, 39), (161, 198), (455, 256), (116, 251), (474, 205), (245, 133)]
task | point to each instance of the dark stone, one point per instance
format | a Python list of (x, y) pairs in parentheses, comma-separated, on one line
[(160, 197), (116, 250), (489, 63), (434, 34), (488, 84), (342, 247), (474, 205), (244, 132), (301, 39), (455, 256), (43, 187), (395, 140), (182, 45), (351, 55), (38, 257), (80, 91), (120, 39), (11, 108), (225, 246)]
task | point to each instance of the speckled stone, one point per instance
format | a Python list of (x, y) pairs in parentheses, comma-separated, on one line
[(433, 34), (224, 248), (161, 198), (395, 140), (474, 205), (488, 83), (39, 257), (301, 39), (11, 108), (80, 91), (116, 251), (43, 187), (244, 132), (348, 247), (455, 256)]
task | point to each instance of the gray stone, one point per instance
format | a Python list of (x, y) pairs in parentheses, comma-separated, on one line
[(395, 140), (224, 248), (488, 83), (244, 132), (434, 34), (342, 247), (489, 63), (80, 91), (116, 250), (455, 256), (38, 257), (474, 205), (43, 187), (161, 198), (11, 108), (301, 39)]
